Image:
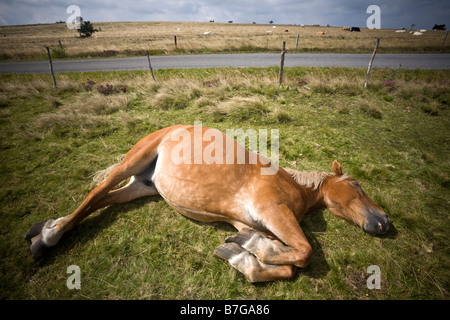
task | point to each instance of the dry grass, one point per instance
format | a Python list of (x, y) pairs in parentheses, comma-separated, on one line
[(176, 94), (134, 38)]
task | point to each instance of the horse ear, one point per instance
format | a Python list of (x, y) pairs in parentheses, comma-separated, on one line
[(337, 168)]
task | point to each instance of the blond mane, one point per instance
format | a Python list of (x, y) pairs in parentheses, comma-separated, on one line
[(311, 179)]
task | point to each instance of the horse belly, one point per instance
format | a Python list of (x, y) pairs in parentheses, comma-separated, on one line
[(203, 191), (202, 216), (199, 192)]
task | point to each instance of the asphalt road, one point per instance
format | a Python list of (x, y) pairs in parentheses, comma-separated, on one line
[(406, 61)]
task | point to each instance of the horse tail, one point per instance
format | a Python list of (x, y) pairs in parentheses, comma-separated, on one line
[(100, 176)]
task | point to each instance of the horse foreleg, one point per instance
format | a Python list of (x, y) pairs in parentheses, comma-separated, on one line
[(253, 269), (294, 248)]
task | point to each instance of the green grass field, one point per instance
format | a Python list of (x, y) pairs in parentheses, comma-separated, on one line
[(392, 137)]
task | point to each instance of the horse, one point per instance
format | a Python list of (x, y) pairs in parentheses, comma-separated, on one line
[(264, 208)]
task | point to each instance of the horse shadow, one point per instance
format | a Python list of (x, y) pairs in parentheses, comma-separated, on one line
[(88, 229), (313, 226), (99, 221), (91, 227)]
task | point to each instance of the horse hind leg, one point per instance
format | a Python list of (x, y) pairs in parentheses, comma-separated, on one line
[(253, 269), (140, 159), (45, 234)]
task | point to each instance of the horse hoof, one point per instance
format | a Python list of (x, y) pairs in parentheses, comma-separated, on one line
[(37, 247), (242, 237), (228, 250), (35, 229)]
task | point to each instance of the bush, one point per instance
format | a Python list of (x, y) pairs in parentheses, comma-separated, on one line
[(59, 53), (86, 28)]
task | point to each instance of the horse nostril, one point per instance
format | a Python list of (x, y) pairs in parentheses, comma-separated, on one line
[(376, 224)]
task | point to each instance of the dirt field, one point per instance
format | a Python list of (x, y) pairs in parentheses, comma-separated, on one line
[(134, 38)]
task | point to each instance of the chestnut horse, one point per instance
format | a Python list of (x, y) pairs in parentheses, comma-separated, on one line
[(264, 208)]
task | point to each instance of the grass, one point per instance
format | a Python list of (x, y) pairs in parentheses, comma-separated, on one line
[(120, 39), (393, 138)]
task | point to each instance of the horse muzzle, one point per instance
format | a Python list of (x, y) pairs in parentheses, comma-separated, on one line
[(376, 223)]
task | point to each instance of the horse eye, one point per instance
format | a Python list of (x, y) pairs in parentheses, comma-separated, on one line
[(356, 184)]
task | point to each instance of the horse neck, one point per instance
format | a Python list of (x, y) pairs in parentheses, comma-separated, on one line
[(317, 195), (328, 182), (315, 199), (312, 184)]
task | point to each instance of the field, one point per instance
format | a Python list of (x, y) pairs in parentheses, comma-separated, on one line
[(121, 39), (393, 137)]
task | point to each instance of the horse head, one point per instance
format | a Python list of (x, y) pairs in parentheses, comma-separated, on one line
[(345, 198)]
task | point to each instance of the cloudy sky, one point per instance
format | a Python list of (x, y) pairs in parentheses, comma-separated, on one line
[(394, 13)]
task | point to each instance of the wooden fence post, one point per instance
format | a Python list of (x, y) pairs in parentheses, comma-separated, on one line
[(445, 39), (150, 65), (175, 41), (283, 52), (371, 61), (51, 66), (296, 43)]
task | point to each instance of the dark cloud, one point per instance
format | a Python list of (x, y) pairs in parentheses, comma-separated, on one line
[(394, 14)]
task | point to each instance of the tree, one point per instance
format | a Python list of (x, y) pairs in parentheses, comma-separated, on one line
[(86, 28), (439, 27)]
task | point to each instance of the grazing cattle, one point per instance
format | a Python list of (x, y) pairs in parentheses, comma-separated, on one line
[(355, 29), (347, 29), (321, 32), (263, 201)]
